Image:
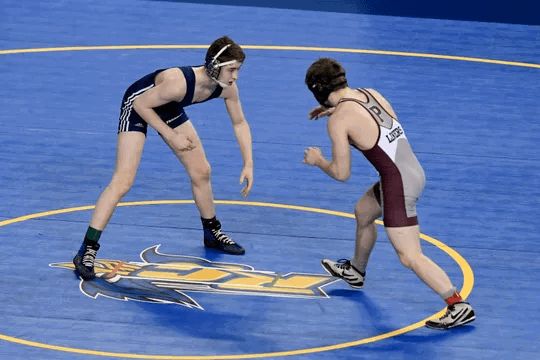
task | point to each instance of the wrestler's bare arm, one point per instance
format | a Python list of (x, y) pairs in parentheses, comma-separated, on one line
[(339, 168), (242, 133), (171, 87)]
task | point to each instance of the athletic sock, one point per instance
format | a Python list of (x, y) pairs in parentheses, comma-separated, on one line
[(92, 234), (451, 297), (210, 223)]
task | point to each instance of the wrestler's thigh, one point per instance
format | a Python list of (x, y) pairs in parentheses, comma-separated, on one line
[(129, 151), (194, 159), (405, 240)]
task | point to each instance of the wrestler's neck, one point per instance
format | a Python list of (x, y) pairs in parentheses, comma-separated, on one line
[(336, 96), (203, 80)]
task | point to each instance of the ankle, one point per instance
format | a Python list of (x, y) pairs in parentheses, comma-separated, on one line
[(92, 234), (212, 223), (359, 266), (451, 297)]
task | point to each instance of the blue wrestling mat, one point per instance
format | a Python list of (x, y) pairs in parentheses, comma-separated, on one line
[(466, 93)]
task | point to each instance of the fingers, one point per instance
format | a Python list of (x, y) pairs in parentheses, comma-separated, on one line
[(313, 115), (311, 154), (247, 188), (246, 176), (306, 156), (190, 145), (320, 112)]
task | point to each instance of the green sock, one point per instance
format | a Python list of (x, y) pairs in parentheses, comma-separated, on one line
[(93, 234)]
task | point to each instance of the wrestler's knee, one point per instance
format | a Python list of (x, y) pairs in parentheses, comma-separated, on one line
[(363, 217), (201, 173), (122, 182), (366, 211), (410, 260)]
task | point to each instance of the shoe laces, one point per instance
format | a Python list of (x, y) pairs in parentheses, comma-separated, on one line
[(447, 313), (343, 264), (89, 257), (222, 237)]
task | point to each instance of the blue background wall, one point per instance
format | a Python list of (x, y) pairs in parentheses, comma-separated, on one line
[(512, 12)]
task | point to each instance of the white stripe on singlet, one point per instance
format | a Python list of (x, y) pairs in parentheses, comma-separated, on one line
[(128, 106)]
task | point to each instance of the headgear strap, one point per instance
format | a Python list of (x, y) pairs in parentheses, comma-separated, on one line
[(213, 66), (321, 90)]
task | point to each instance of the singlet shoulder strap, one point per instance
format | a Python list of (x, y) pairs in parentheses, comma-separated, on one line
[(189, 74), (216, 93), (375, 109)]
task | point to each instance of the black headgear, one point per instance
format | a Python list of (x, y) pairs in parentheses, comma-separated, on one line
[(213, 66), (322, 87), (323, 77)]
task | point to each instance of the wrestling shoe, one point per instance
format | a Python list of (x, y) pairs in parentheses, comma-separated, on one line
[(215, 238), (84, 260), (345, 270), (457, 314)]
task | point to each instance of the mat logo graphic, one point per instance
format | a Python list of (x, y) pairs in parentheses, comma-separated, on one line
[(162, 278)]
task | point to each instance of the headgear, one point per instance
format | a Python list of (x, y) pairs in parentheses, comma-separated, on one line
[(323, 77), (213, 66)]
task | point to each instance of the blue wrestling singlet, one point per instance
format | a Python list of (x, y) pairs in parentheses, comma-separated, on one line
[(172, 113)]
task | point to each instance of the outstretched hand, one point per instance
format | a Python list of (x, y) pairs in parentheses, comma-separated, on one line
[(320, 111), (247, 176)]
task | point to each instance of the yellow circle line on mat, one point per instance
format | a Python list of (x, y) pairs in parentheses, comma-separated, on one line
[(267, 47), (468, 282)]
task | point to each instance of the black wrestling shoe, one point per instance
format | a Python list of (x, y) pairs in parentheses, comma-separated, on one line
[(215, 238), (84, 260), (457, 314)]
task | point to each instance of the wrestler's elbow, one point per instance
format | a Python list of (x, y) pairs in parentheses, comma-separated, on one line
[(137, 105), (342, 175)]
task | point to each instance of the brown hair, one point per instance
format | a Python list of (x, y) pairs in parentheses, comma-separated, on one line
[(233, 52), (326, 73)]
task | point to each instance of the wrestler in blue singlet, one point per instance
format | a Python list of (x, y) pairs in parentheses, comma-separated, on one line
[(172, 113)]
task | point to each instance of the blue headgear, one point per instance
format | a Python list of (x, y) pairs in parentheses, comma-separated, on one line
[(213, 66)]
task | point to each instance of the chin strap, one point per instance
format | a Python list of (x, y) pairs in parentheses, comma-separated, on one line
[(213, 66)]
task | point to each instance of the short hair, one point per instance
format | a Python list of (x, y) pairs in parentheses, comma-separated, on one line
[(326, 73), (233, 52)]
